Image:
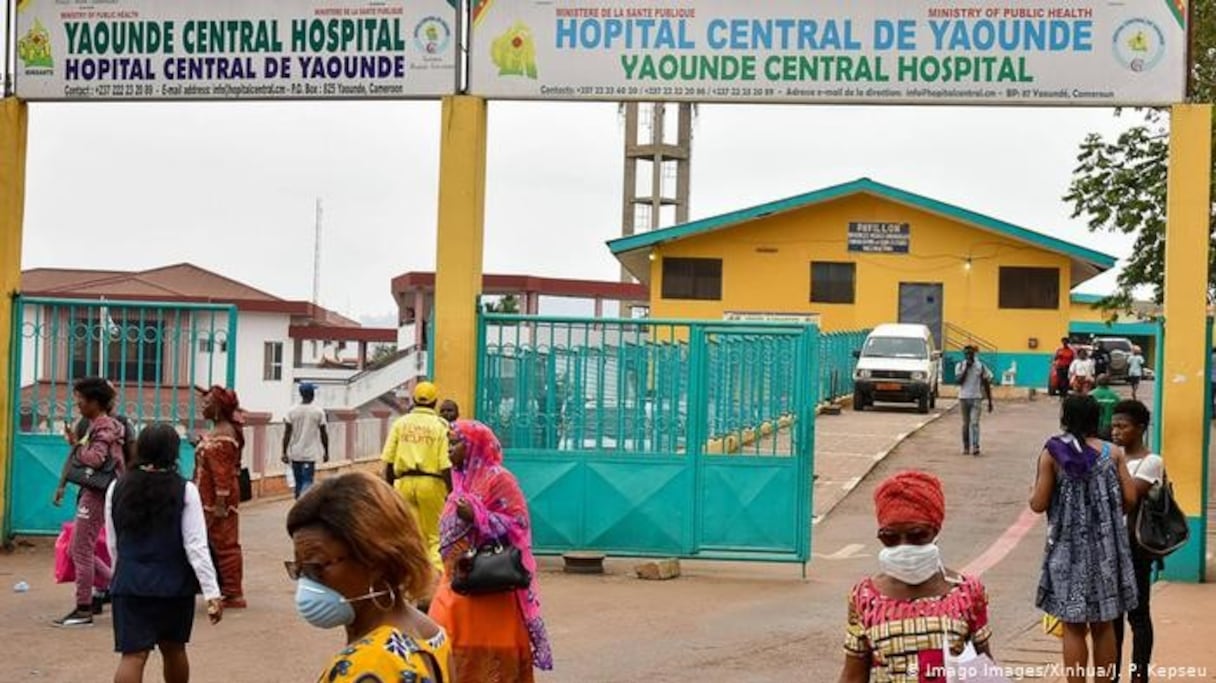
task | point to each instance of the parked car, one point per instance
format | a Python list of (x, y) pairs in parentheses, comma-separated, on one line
[(898, 363)]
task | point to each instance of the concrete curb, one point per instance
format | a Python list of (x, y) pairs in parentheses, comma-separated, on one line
[(855, 482)]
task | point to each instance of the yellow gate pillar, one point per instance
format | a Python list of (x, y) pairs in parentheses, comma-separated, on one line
[(462, 204), (13, 127), (1184, 409)]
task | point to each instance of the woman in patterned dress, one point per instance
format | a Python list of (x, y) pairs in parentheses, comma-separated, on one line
[(902, 621), (499, 637), (360, 562), (217, 469), (1087, 579)]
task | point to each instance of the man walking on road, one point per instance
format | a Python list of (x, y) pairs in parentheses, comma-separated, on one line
[(416, 464), (305, 439), (975, 384)]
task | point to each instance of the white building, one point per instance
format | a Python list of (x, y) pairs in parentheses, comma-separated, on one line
[(156, 349)]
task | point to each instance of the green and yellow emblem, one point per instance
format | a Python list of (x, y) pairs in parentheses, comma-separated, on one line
[(514, 52), (34, 48)]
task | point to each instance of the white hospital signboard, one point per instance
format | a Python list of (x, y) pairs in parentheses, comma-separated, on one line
[(232, 49), (982, 52)]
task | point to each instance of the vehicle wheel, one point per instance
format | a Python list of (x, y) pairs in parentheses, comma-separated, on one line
[(922, 404), (859, 402)]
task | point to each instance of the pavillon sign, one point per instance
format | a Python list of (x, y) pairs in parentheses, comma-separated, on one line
[(1088, 52), (228, 49)]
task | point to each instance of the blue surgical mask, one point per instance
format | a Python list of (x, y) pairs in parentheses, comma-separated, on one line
[(325, 607)]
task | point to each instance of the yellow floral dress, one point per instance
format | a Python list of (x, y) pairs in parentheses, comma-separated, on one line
[(386, 655)]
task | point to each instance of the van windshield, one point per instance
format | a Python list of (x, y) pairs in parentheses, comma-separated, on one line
[(895, 347)]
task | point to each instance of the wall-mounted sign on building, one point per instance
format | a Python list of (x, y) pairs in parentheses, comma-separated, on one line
[(982, 52), (759, 317), (879, 238), (235, 49)]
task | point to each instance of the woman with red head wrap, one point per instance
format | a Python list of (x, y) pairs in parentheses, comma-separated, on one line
[(914, 595), (217, 469)]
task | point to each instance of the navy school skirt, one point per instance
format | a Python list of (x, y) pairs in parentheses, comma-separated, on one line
[(140, 623)]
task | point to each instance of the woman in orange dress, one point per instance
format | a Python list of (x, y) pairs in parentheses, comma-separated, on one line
[(217, 469), (499, 637)]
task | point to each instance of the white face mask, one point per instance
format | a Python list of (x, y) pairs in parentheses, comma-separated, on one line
[(911, 564)]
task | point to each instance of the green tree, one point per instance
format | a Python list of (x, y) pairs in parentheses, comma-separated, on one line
[(383, 352), (1119, 185), (505, 304)]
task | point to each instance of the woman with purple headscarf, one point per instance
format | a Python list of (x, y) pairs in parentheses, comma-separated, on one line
[(1087, 579), (498, 637)]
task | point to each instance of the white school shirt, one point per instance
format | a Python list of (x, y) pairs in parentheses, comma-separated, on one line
[(1082, 368), (1150, 468), (194, 539)]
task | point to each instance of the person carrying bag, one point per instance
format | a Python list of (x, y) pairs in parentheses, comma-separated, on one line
[(95, 461)]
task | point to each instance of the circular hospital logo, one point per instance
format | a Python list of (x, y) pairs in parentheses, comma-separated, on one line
[(432, 35), (1139, 44)]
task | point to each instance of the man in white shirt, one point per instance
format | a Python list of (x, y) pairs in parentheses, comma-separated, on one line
[(305, 439), (1135, 370), (975, 384), (1081, 373)]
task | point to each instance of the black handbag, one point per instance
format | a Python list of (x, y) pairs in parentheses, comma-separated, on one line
[(495, 567), (96, 479), (1161, 526), (245, 484)]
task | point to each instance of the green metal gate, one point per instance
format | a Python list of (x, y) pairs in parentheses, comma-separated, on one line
[(648, 437), (153, 353)]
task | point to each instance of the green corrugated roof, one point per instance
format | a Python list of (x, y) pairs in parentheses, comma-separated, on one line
[(1096, 259)]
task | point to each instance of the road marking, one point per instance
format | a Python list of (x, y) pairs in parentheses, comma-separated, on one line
[(849, 552), (1002, 546)]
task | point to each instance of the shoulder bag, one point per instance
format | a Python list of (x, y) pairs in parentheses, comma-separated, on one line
[(1160, 525), (96, 479), (495, 567)]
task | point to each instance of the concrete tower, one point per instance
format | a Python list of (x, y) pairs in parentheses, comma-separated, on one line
[(658, 158)]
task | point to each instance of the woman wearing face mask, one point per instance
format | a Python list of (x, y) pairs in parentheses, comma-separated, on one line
[(914, 594), (499, 637), (360, 561), (1087, 579)]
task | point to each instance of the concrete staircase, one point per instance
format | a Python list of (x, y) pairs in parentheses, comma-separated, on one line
[(401, 370)]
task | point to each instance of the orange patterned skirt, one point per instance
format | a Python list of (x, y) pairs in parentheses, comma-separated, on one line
[(489, 640)]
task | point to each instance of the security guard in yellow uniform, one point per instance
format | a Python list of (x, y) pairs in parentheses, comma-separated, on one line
[(417, 464)]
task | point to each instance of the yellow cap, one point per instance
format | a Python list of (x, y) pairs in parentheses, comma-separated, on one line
[(426, 393)]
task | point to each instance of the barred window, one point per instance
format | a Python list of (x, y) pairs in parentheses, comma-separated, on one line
[(692, 278), (1034, 288)]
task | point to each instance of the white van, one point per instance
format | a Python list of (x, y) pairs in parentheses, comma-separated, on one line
[(897, 364)]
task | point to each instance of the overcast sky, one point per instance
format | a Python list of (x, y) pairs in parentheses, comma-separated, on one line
[(231, 187)]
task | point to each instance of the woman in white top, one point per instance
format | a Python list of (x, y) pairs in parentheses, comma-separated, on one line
[(1130, 421), (158, 540), (1081, 373)]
